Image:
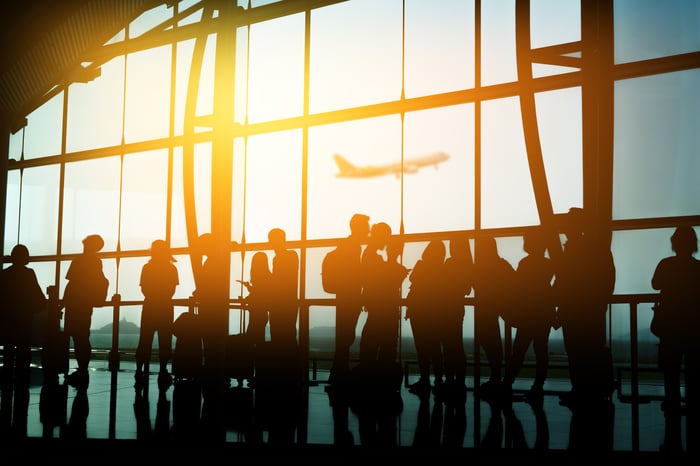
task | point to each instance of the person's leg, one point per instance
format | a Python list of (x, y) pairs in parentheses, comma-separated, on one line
[(8, 358), (522, 340), (540, 345), (21, 391)]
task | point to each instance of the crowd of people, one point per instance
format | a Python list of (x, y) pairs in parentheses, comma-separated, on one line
[(570, 289)]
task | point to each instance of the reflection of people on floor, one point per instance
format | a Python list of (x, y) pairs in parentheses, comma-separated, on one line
[(377, 414), (21, 300), (455, 423), (77, 424), (339, 401), (428, 424), (541, 423), (142, 413), (187, 404), (592, 426)]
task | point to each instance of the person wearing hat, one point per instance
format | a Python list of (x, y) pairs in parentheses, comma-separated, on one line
[(21, 298), (86, 288), (159, 278)]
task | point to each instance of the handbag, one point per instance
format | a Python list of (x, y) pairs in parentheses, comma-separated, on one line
[(659, 321)]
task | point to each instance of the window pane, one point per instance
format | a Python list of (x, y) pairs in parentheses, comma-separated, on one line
[(498, 63), (348, 68), (560, 133), (332, 200), (12, 211), (144, 204), (273, 178), (554, 22), (147, 94), (276, 85), (507, 195), (95, 109), (636, 255), (39, 209), (91, 203), (657, 133), (644, 29), (439, 47), (439, 196), (43, 133)]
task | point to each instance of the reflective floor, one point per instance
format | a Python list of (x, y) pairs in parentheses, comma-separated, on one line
[(111, 413)]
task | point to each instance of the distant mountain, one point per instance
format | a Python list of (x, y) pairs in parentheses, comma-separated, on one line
[(125, 328)]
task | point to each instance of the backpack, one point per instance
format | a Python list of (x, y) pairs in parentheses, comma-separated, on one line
[(331, 271)]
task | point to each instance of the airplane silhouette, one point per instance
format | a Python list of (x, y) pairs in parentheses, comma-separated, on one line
[(410, 165)]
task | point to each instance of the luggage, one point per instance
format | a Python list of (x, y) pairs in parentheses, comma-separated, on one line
[(187, 354)]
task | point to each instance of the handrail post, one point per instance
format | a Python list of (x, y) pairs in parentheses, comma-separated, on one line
[(114, 352)]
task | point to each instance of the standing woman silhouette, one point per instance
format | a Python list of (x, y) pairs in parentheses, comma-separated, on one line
[(677, 278)]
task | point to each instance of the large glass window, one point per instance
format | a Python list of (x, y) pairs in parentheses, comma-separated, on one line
[(359, 106)]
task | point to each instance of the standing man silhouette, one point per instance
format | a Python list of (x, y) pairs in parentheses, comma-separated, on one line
[(583, 287), (21, 298), (284, 305), (159, 278), (348, 304), (85, 289)]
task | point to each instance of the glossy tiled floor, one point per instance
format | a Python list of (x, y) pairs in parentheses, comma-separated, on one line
[(111, 411)]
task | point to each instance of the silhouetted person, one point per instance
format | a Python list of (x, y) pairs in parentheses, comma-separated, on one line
[(677, 277), (423, 310), (83, 292), (348, 305), (284, 305), (21, 299), (159, 278), (492, 279), (381, 295), (212, 295), (457, 284), (535, 312), (583, 287), (257, 303)]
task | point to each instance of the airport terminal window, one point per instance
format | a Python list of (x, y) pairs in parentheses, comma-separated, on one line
[(283, 172)]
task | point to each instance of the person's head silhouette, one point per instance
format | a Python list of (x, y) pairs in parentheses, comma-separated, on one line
[(19, 255), (684, 240), (93, 243)]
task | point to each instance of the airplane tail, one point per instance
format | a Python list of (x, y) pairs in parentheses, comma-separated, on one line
[(344, 166)]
